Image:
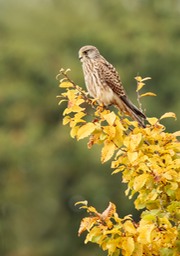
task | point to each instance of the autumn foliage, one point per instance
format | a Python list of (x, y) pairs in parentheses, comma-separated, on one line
[(149, 159)]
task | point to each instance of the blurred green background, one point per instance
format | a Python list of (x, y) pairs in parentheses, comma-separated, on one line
[(43, 172)]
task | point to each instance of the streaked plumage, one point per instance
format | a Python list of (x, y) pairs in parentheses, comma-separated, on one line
[(103, 83)]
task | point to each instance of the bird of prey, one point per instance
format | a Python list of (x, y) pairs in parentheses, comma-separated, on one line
[(104, 84)]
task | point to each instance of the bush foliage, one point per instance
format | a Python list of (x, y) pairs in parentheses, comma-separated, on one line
[(149, 160)]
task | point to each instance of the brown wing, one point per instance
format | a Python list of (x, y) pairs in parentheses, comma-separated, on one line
[(110, 76)]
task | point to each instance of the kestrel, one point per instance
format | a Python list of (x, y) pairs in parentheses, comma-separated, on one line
[(104, 84)]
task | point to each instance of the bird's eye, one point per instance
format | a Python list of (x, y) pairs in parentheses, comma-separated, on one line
[(85, 52)]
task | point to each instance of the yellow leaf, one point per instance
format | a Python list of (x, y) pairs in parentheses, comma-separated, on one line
[(135, 140), (67, 70), (138, 251), (79, 101), (170, 175), (73, 108), (129, 227), (147, 94), (152, 120), (145, 232), (168, 114), (103, 136), (110, 131), (85, 202), (119, 125), (126, 142), (119, 134), (66, 84), (152, 195), (66, 120), (107, 151), (140, 86), (120, 169), (146, 78), (138, 78), (128, 245), (140, 181), (110, 118), (111, 245), (78, 116), (173, 185), (74, 131), (93, 210), (132, 156), (94, 235), (85, 130), (62, 80), (71, 95), (61, 101)]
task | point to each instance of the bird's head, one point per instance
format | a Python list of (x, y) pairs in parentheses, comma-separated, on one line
[(88, 52)]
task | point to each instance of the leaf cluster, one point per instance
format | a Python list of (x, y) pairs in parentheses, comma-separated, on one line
[(149, 159)]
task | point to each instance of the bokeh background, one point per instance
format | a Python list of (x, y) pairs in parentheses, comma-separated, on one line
[(43, 172)]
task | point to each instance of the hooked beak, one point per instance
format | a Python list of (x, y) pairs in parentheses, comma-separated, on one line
[(80, 56)]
